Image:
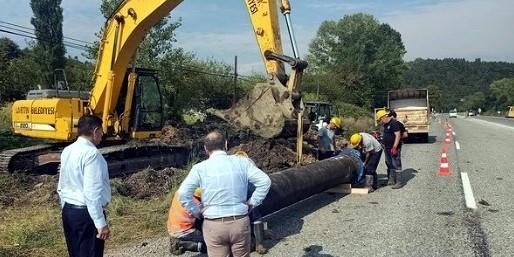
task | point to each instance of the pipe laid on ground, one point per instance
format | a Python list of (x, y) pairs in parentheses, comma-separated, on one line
[(296, 184)]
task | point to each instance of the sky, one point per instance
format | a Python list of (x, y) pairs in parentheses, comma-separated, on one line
[(221, 29)]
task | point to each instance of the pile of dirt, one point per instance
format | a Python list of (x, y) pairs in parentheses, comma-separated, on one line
[(149, 183), (271, 155), (23, 189)]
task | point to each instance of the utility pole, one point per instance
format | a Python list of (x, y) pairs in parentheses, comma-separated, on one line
[(235, 81)]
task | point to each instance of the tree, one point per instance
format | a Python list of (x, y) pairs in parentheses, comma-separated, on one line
[(9, 51), (503, 92), (47, 21), (364, 56)]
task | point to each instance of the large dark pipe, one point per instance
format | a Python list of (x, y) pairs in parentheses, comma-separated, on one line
[(296, 184)]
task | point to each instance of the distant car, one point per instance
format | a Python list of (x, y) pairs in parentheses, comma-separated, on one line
[(471, 113), (453, 114)]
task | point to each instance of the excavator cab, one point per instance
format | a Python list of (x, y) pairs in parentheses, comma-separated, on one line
[(145, 108)]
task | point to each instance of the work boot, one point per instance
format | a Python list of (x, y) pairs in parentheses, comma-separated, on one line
[(175, 248), (258, 231), (392, 178), (190, 246), (399, 181)]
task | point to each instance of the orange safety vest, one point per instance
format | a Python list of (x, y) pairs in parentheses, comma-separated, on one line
[(179, 220)]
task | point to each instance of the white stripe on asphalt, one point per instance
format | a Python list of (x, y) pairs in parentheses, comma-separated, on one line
[(468, 193), (453, 132), (457, 145)]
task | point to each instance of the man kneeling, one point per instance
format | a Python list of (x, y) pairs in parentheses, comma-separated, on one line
[(184, 230)]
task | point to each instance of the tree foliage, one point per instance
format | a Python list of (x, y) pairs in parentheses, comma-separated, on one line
[(47, 21), (502, 92), (359, 57), (459, 81), (9, 52)]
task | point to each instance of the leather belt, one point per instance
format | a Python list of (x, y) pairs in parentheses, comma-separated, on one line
[(229, 218), (73, 206)]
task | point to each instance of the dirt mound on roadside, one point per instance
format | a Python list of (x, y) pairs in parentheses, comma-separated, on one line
[(149, 183), (271, 155), (22, 189)]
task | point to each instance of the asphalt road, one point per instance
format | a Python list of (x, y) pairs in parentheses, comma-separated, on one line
[(428, 217)]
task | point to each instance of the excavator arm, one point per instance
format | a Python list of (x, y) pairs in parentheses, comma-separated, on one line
[(125, 30), (129, 24)]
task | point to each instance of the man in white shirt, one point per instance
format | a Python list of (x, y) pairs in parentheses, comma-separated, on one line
[(84, 191), (372, 152), (224, 181)]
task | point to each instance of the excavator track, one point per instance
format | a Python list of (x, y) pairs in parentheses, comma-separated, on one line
[(122, 159)]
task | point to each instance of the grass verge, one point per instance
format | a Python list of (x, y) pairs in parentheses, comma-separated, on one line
[(33, 227)]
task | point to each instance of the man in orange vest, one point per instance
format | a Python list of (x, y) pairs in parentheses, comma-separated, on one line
[(184, 229)]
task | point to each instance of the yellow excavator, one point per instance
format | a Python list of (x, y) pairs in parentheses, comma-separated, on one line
[(129, 101)]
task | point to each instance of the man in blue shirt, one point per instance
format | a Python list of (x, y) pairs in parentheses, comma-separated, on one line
[(393, 147), (84, 191), (224, 181)]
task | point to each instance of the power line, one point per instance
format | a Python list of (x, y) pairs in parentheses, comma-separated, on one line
[(71, 45), (70, 38)]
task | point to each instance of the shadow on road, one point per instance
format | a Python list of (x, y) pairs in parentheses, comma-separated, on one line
[(414, 139), (289, 221), (314, 251), (409, 174)]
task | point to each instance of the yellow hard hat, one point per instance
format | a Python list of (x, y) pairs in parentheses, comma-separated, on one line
[(241, 153), (355, 140), (198, 192), (336, 121), (380, 114)]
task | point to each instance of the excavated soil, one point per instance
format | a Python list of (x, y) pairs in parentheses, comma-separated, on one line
[(270, 155)]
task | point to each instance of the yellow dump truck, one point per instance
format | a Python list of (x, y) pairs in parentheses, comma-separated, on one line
[(412, 108), (510, 112)]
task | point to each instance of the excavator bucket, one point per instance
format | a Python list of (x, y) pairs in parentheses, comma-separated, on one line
[(267, 110)]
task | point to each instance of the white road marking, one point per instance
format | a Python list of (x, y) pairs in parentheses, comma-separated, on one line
[(457, 145), (453, 132), (468, 193)]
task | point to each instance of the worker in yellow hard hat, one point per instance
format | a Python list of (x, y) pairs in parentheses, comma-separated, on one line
[(393, 145), (326, 138), (380, 114), (184, 229), (372, 151)]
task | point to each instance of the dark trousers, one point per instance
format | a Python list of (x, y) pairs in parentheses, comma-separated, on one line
[(371, 167), (393, 163), (80, 233)]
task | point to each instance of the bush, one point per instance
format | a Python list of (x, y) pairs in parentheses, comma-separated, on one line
[(355, 119), (5, 118), (352, 111)]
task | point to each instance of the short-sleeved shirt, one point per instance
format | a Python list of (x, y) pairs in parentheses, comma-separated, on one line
[(326, 139), (402, 127), (389, 129), (370, 143)]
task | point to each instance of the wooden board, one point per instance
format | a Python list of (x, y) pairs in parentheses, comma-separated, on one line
[(347, 189)]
